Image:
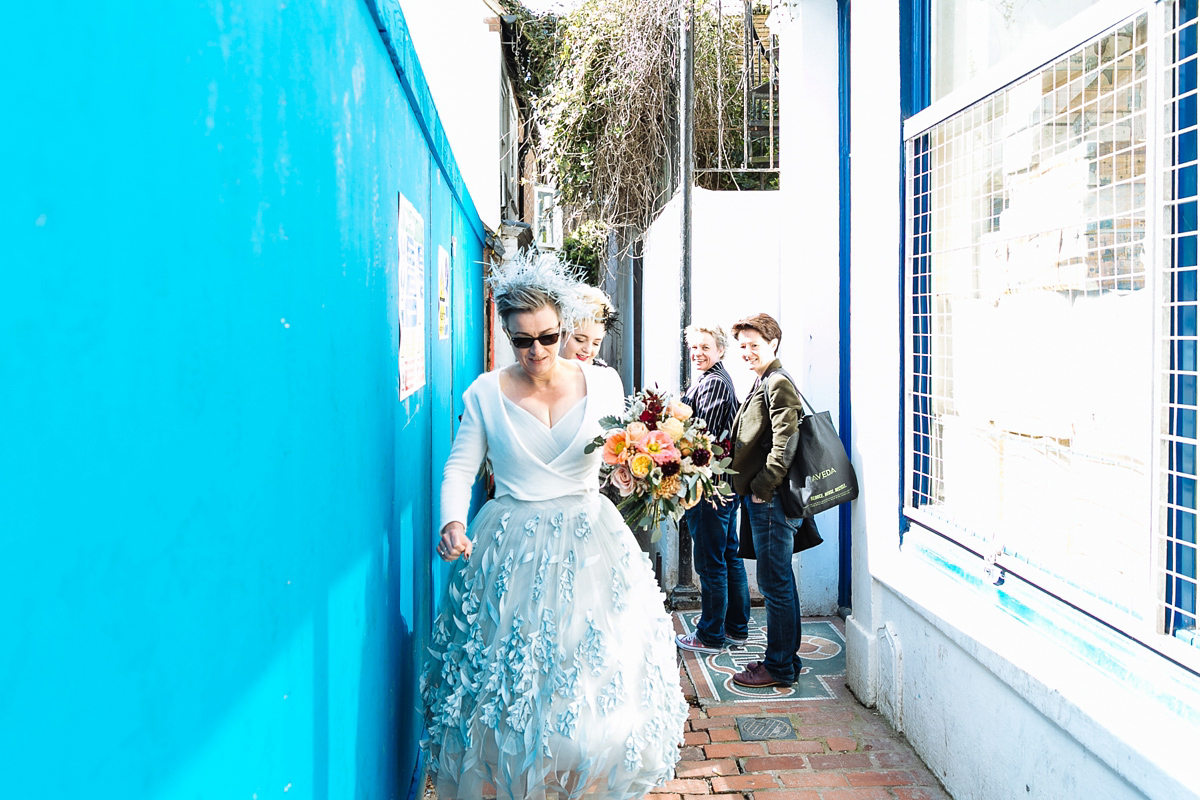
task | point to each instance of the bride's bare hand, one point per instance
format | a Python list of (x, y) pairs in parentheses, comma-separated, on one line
[(454, 542)]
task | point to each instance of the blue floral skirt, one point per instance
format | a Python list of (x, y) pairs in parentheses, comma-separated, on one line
[(552, 672)]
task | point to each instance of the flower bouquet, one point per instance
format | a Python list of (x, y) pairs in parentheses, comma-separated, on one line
[(660, 460)]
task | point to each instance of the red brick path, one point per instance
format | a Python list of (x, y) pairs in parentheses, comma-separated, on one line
[(843, 751)]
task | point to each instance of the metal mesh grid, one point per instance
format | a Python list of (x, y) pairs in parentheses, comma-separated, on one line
[(926, 487), (1027, 211), (1177, 537)]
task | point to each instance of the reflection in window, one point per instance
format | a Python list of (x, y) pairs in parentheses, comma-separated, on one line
[(970, 36), (1032, 326)]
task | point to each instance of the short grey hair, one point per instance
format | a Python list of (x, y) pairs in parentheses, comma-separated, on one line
[(523, 299), (715, 331)]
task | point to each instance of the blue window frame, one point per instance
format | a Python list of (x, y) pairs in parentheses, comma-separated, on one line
[(1045, 229), (1106, 114), (916, 33), (1179, 543)]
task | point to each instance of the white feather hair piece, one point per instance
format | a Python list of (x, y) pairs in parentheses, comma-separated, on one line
[(548, 273)]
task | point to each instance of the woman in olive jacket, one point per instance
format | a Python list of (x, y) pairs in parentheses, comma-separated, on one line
[(762, 430)]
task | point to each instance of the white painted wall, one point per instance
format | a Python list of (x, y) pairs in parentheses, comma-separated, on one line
[(1042, 704), (738, 269), (463, 64), (809, 215), (735, 273)]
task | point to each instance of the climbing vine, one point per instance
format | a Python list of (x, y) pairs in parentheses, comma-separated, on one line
[(535, 50), (610, 114), (604, 80)]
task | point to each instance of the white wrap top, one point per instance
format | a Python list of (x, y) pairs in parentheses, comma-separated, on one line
[(489, 430)]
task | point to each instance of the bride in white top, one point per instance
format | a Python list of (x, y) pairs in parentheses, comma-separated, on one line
[(552, 671)]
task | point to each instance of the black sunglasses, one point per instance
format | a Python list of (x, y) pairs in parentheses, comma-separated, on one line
[(522, 342)]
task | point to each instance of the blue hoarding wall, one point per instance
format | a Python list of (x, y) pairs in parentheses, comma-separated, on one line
[(216, 514)]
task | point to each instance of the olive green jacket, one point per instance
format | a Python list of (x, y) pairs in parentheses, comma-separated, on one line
[(762, 446)]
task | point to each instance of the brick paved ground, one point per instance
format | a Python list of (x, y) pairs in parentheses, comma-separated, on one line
[(842, 751)]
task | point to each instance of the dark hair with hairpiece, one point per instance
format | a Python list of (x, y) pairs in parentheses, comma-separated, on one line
[(764, 324), (602, 308), (611, 321)]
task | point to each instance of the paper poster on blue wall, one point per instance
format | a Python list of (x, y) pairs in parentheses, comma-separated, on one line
[(443, 293), (411, 237)]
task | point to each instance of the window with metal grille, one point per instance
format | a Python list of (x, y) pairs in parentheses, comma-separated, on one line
[(1044, 264)]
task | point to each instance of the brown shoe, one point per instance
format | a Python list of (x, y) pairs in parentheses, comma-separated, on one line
[(756, 676)]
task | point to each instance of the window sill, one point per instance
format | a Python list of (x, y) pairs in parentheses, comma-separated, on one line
[(1137, 711)]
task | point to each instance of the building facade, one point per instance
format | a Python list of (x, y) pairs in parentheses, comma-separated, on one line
[(1021, 301)]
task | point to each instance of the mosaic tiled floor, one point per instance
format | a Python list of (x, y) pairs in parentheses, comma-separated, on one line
[(822, 651)]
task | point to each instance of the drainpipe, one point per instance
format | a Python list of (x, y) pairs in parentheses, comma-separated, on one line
[(686, 167), (684, 595)]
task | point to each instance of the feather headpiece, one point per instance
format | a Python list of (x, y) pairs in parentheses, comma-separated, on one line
[(547, 273)]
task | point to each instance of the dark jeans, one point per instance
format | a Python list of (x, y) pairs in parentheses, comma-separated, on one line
[(773, 534), (724, 590)]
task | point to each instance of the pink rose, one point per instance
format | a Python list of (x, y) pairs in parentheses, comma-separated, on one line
[(623, 479), (636, 431)]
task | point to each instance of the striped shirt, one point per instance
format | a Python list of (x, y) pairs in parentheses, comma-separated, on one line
[(713, 400)]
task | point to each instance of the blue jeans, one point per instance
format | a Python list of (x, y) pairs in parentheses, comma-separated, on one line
[(773, 534), (724, 590)]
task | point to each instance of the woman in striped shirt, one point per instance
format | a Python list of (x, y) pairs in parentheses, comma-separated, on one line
[(724, 591)]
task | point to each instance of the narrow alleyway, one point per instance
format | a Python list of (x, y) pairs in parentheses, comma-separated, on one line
[(822, 748)]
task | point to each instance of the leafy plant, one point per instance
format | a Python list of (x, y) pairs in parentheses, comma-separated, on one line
[(535, 50), (586, 248)]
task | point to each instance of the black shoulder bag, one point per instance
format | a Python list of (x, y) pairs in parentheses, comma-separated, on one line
[(820, 475)]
